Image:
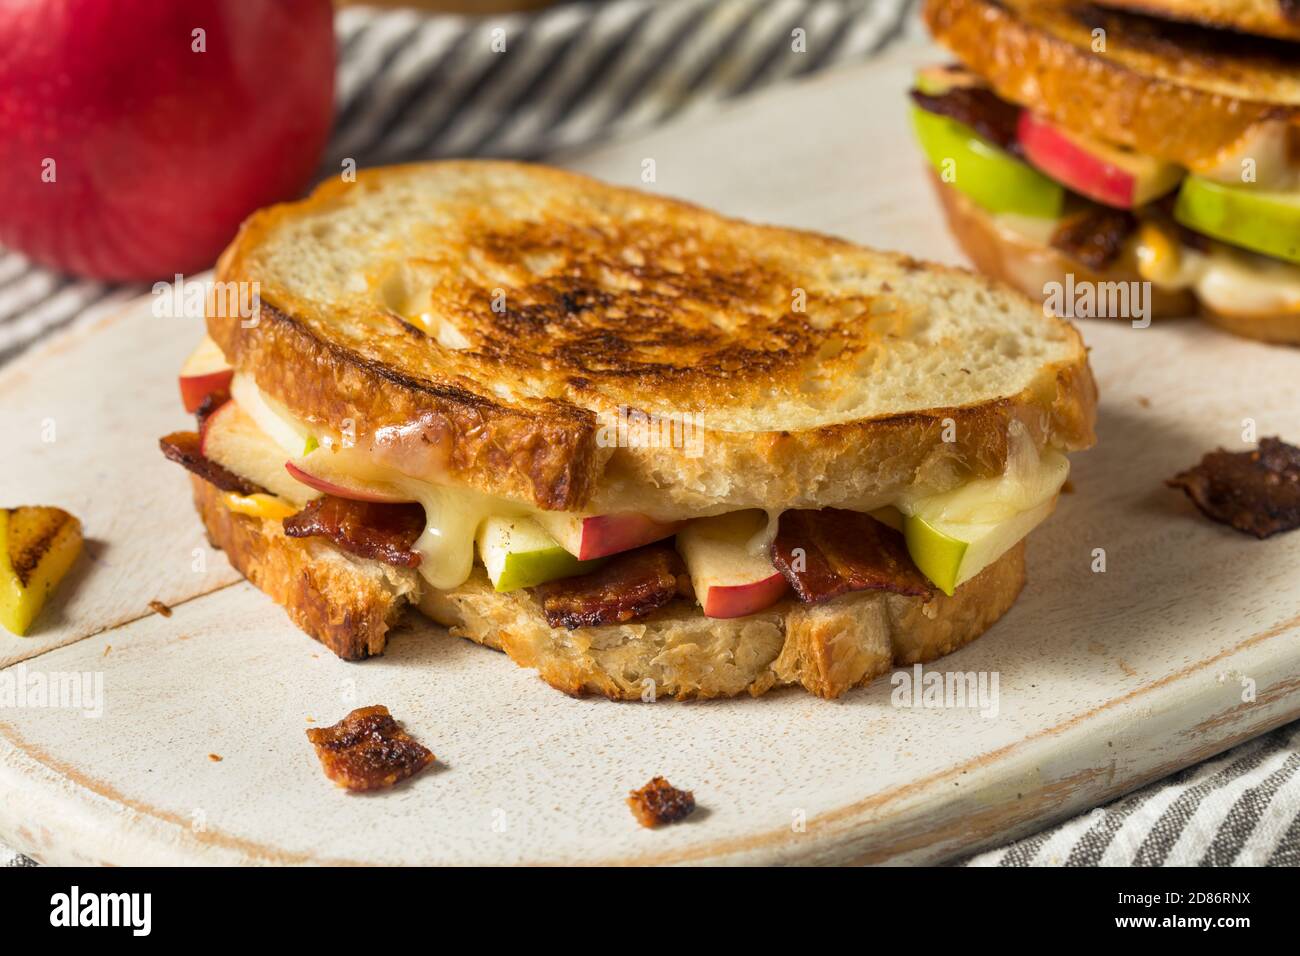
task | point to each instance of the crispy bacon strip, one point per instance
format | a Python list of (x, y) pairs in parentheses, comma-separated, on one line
[(1257, 492), (1094, 237), (367, 750), (979, 108), (631, 585), (831, 552), (369, 529), (660, 802), (183, 448)]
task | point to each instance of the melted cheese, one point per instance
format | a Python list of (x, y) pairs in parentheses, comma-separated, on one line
[(1226, 279), (761, 542), (453, 515), (1031, 478)]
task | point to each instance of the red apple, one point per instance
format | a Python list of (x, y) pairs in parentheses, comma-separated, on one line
[(333, 486), (737, 600), (730, 576), (136, 135), (598, 536), (1101, 172), (204, 372)]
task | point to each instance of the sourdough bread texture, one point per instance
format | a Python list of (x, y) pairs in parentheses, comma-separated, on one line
[(346, 603)]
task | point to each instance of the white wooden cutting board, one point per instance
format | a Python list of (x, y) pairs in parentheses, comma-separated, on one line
[(1106, 680)]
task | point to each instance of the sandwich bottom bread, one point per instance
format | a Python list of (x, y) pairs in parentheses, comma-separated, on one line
[(647, 451), (350, 603)]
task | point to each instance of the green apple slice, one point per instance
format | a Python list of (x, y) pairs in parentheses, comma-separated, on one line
[(950, 553), (1244, 215), (272, 417), (990, 176), (519, 554), (954, 536)]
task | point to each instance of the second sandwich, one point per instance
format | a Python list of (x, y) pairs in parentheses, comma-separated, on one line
[(1111, 147)]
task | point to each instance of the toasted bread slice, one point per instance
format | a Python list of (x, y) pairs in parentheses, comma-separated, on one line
[(678, 652), (1268, 18), (490, 313), (1169, 90), (349, 604), (346, 603)]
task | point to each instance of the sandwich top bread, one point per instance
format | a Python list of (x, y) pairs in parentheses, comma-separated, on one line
[(1268, 18), (512, 310), (1125, 148), (620, 437)]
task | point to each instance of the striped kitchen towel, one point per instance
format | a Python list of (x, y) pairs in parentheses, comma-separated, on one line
[(417, 86), (1242, 808)]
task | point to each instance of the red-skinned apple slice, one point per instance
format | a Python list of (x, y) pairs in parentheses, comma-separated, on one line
[(311, 473), (731, 579), (597, 536), (204, 372), (1104, 173)]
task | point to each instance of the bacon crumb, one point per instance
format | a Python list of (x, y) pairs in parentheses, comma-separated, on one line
[(368, 750), (1256, 492), (660, 802)]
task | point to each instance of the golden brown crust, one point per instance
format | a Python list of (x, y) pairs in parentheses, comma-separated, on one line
[(546, 454), (1028, 267), (618, 298), (348, 605), (827, 648), (1181, 100), (1261, 17)]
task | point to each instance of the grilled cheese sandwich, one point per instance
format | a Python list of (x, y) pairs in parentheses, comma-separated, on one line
[(866, 472)]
